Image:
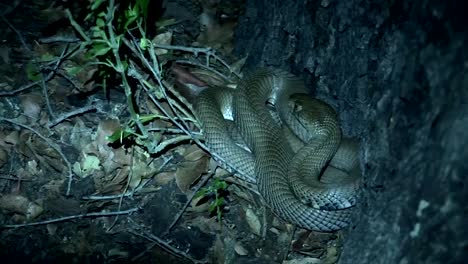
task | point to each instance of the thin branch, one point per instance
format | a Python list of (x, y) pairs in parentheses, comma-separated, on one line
[(209, 52), (172, 131), (171, 141), (66, 218), (187, 62), (107, 197), (59, 39), (11, 8), (17, 33), (75, 112), (76, 26), (46, 98), (26, 86)]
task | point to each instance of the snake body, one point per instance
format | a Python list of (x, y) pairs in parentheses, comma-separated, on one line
[(288, 182)]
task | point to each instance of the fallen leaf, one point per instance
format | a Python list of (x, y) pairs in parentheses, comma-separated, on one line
[(240, 249), (3, 157), (5, 53), (19, 204), (163, 39), (195, 163), (253, 221)]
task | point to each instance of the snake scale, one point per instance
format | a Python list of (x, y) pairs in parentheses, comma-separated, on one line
[(312, 185)]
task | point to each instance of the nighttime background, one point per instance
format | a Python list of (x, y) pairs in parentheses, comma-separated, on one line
[(395, 71)]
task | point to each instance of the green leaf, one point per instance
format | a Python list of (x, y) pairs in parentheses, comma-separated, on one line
[(100, 49), (143, 6), (144, 43), (96, 4), (32, 72), (219, 202), (212, 207), (219, 215), (118, 135), (146, 118), (73, 70), (100, 23), (220, 184), (96, 32), (200, 193), (46, 57)]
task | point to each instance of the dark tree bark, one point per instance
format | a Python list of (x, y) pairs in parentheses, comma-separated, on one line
[(397, 73)]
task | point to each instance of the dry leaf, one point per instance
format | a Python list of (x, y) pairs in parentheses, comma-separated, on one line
[(106, 128), (12, 138), (5, 53), (31, 105), (21, 205), (3, 157), (238, 65), (253, 221), (197, 206), (195, 163), (240, 249), (163, 39), (164, 177), (306, 260)]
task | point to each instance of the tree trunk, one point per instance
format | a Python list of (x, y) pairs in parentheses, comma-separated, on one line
[(396, 71)]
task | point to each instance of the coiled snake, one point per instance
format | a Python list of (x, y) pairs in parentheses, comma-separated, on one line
[(293, 184)]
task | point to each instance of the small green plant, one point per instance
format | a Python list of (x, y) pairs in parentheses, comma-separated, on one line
[(215, 192), (117, 39), (111, 23)]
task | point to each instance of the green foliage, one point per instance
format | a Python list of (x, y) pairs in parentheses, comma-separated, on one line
[(126, 14), (110, 24), (123, 133), (32, 71), (119, 135), (215, 192)]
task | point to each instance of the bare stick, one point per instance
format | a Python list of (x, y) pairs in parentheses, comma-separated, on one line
[(77, 26), (172, 131), (20, 37), (26, 86), (203, 67), (209, 52), (75, 112), (60, 39), (66, 218)]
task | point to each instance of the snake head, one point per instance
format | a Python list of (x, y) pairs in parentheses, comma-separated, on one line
[(309, 117)]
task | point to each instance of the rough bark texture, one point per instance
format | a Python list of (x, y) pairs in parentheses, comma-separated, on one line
[(397, 73)]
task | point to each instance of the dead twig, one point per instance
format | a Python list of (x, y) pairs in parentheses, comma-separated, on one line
[(75, 112), (66, 218), (20, 37), (27, 86)]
